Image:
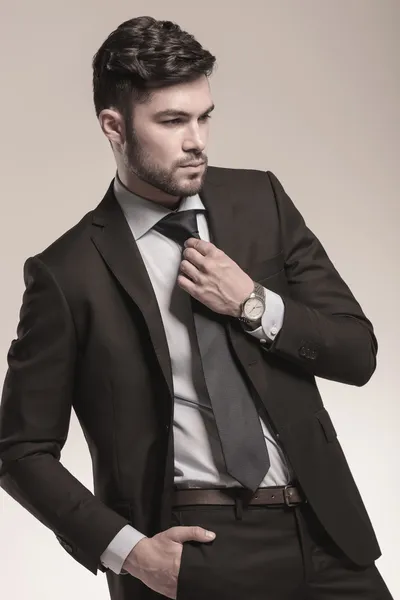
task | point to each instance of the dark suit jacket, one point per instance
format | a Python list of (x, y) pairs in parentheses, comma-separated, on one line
[(91, 337)]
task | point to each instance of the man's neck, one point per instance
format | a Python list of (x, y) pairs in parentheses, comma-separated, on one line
[(141, 188)]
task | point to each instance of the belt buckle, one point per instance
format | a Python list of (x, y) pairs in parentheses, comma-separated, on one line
[(287, 496)]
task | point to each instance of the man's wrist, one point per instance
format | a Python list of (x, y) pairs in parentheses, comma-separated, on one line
[(120, 547), (253, 307), (272, 319), (132, 562)]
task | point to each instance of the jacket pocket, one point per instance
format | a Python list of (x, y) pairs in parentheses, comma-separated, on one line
[(268, 267)]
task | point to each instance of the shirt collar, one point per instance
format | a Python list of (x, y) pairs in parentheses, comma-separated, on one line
[(143, 214)]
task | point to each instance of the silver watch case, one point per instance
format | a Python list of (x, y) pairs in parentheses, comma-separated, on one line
[(254, 303)]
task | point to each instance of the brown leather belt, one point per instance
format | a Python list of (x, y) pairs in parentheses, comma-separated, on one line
[(288, 495)]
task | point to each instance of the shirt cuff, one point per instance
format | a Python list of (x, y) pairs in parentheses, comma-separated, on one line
[(120, 547), (272, 319)]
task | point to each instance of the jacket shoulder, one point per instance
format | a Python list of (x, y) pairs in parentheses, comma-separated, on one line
[(70, 246), (233, 176), (263, 184)]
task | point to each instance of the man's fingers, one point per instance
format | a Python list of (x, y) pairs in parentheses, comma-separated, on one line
[(185, 534), (188, 269), (193, 256), (200, 245)]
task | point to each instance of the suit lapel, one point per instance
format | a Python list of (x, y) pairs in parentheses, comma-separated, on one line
[(220, 216), (113, 239)]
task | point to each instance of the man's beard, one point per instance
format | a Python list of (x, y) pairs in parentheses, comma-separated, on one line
[(141, 164)]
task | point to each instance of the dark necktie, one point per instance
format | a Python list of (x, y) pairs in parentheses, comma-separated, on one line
[(239, 428)]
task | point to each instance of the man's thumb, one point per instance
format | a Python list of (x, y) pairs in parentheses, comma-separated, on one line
[(185, 534)]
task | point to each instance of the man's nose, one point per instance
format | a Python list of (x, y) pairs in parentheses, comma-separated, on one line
[(195, 141)]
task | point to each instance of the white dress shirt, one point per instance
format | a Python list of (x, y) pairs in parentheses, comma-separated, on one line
[(198, 455)]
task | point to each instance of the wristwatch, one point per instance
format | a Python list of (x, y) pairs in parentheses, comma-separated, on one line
[(253, 307)]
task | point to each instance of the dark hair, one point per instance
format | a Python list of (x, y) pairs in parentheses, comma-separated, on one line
[(143, 54)]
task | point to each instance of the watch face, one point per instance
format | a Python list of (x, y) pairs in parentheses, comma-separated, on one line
[(253, 309)]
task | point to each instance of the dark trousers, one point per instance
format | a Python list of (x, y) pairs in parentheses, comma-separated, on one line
[(269, 553)]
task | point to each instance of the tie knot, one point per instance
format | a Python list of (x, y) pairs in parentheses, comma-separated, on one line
[(179, 226)]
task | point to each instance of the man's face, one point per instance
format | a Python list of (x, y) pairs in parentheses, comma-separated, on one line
[(166, 142)]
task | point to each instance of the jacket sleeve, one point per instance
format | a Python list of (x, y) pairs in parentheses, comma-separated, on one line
[(34, 420), (324, 330)]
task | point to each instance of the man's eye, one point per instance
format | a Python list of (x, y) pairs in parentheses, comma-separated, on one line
[(172, 122), (205, 117)]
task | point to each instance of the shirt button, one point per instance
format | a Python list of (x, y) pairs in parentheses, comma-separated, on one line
[(274, 330), (263, 341)]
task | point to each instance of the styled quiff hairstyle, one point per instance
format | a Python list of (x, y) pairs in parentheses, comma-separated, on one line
[(141, 55)]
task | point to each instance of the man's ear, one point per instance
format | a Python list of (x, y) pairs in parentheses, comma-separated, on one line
[(113, 127)]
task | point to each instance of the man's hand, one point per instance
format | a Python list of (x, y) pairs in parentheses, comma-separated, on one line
[(156, 561), (210, 276)]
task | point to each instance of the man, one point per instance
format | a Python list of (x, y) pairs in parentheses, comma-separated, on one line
[(185, 319)]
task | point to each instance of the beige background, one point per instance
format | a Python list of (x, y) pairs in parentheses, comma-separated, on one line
[(306, 88)]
